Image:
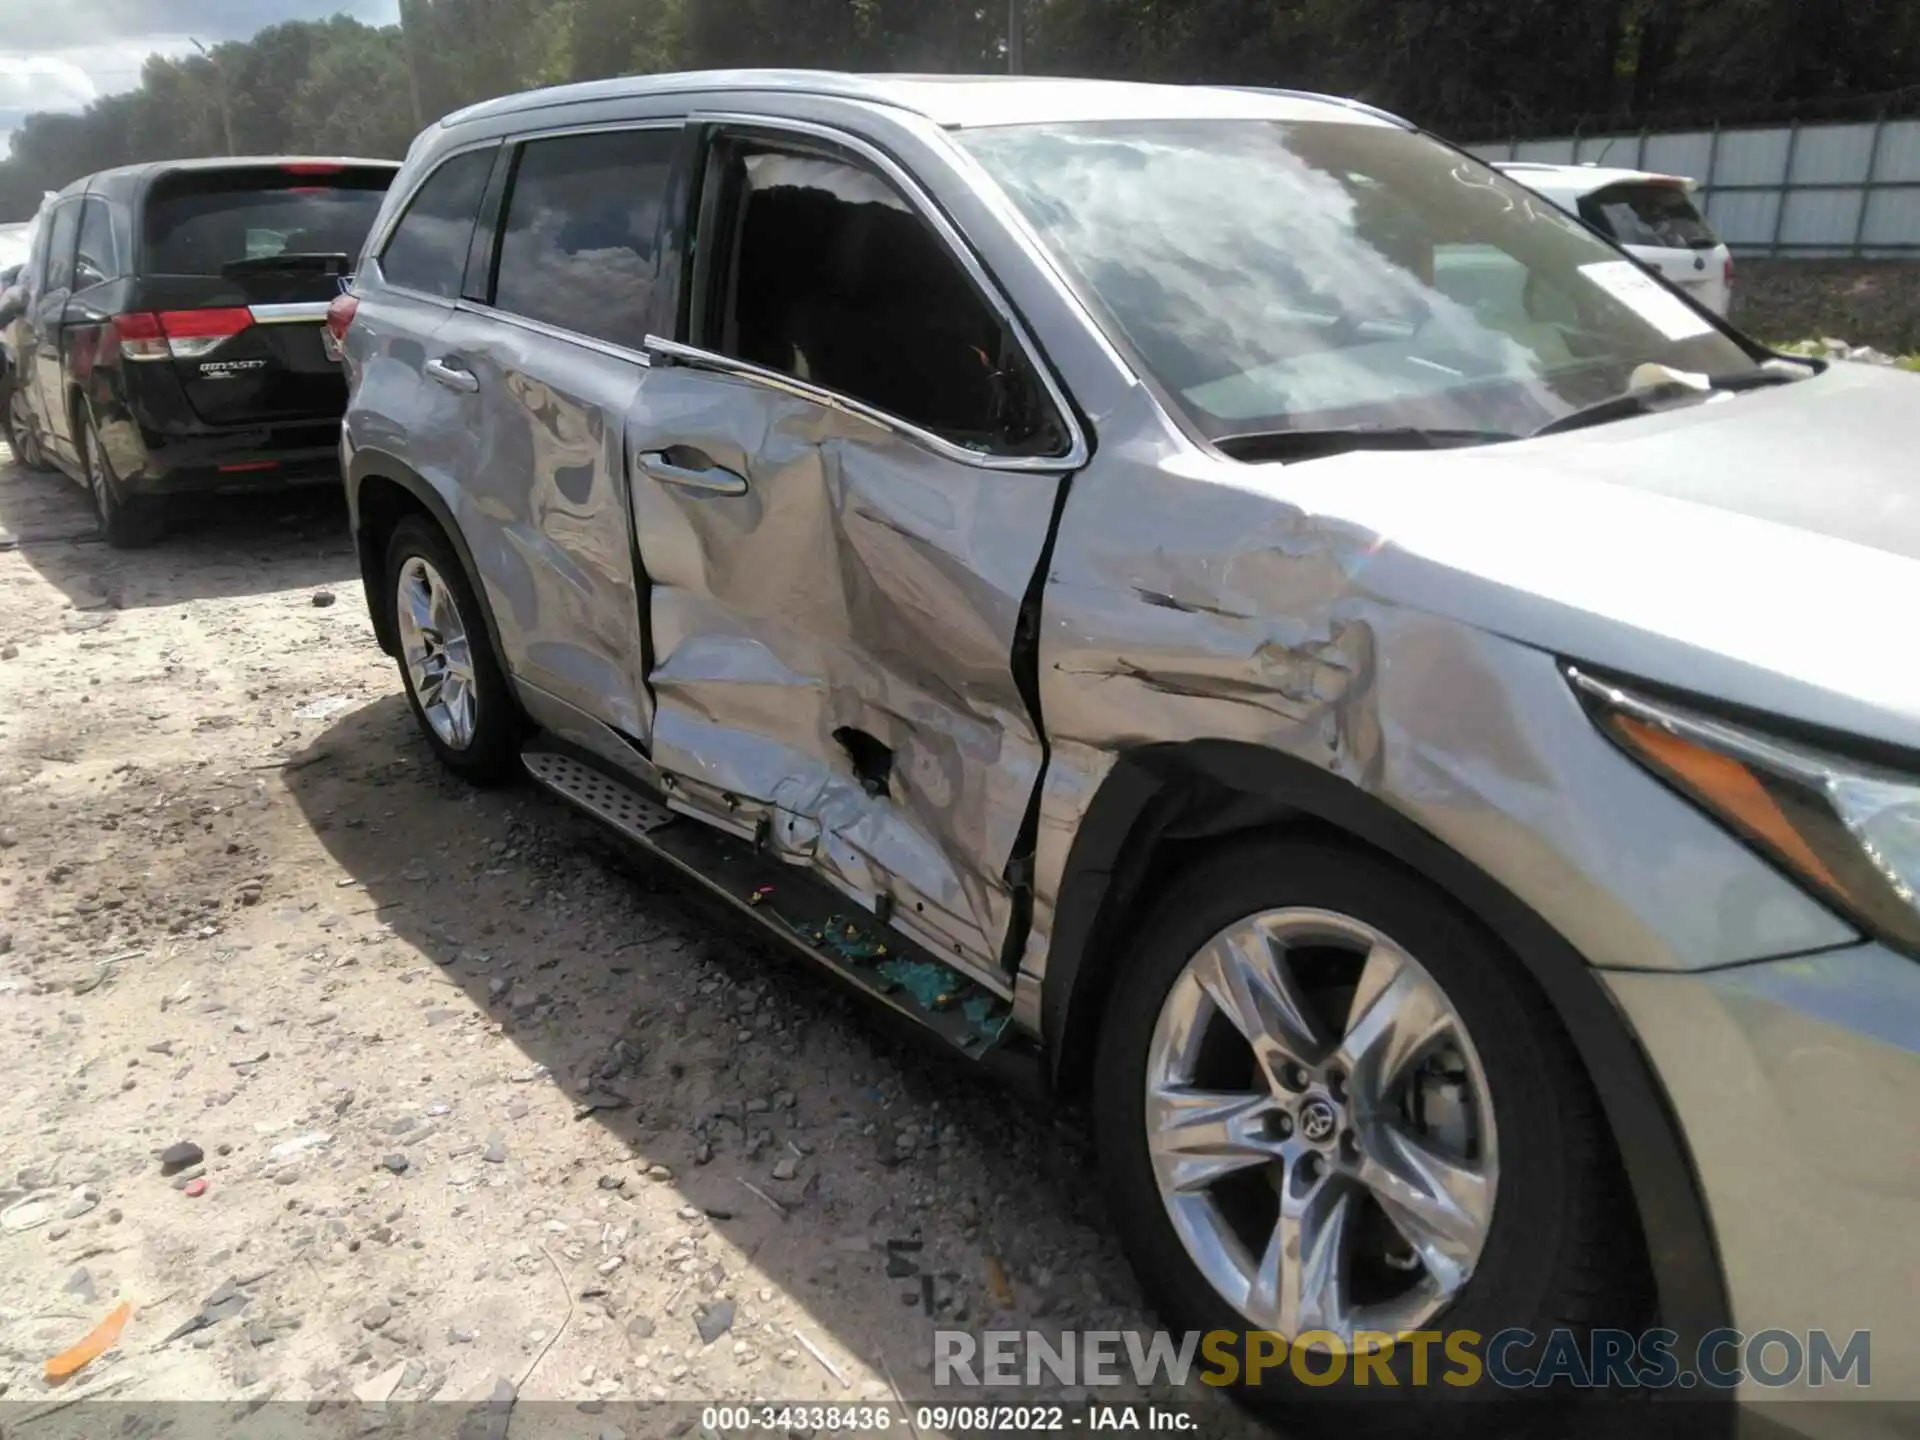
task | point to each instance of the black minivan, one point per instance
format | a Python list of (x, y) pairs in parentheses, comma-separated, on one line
[(173, 338)]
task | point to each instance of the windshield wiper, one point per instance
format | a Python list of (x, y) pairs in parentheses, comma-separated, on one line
[(1336, 440), (1650, 399), (1757, 378), (1647, 401)]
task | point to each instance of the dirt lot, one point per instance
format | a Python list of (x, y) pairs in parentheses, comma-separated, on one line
[(481, 1095)]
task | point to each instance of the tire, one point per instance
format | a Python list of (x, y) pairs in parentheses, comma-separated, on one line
[(1555, 1251), (22, 439), (469, 716), (127, 522)]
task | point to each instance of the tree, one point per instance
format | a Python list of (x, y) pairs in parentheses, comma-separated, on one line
[(342, 87)]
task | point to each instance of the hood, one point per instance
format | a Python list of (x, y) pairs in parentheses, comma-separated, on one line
[(1763, 549)]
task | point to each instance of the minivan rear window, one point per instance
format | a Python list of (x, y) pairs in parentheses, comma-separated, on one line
[(203, 222), (1658, 215)]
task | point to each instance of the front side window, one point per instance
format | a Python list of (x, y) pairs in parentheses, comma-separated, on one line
[(428, 248), (578, 248), (97, 260), (62, 224), (833, 278), (1278, 276)]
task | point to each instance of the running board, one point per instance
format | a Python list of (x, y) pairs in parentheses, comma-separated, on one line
[(795, 905)]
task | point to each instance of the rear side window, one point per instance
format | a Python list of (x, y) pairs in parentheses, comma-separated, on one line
[(835, 279), (220, 222), (98, 259), (1657, 215), (428, 248), (582, 224)]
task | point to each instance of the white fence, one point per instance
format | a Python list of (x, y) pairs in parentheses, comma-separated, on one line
[(1800, 191)]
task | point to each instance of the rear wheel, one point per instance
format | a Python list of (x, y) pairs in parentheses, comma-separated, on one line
[(454, 681), (1329, 1108), (22, 438), (126, 521)]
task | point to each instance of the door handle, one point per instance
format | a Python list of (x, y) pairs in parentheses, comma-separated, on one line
[(454, 377), (708, 478)]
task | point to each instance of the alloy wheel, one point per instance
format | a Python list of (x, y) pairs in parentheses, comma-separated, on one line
[(1320, 1128), (20, 439), (434, 645)]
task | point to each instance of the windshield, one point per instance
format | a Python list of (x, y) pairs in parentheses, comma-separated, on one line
[(1274, 276)]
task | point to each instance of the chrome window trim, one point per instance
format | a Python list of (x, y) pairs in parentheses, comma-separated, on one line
[(695, 358), (1077, 451), (554, 332)]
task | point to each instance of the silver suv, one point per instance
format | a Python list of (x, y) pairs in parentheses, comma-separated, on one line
[(1227, 602)]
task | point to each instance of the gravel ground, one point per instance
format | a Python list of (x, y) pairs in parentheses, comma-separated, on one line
[(466, 1091)]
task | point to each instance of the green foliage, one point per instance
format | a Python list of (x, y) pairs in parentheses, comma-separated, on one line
[(1523, 65)]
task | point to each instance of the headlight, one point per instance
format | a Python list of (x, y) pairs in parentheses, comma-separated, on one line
[(1847, 830)]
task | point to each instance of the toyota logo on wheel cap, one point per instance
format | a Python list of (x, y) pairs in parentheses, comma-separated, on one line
[(1317, 1121)]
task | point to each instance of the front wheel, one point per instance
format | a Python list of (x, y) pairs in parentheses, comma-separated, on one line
[(1330, 1109), (454, 681)]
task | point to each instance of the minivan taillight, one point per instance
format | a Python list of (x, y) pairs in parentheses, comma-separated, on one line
[(340, 315), (141, 337), (178, 334), (1726, 272)]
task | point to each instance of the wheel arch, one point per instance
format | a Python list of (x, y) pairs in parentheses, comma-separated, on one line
[(382, 490), (1161, 801)]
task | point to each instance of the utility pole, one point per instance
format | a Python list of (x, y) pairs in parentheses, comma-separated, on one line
[(413, 69), (220, 89), (1016, 36)]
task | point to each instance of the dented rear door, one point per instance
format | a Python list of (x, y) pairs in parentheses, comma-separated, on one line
[(845, 481)]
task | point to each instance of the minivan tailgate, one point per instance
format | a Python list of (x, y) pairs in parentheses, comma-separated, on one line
[(239, 264)]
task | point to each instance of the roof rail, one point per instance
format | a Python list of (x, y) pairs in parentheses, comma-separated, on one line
[(1362, 106)]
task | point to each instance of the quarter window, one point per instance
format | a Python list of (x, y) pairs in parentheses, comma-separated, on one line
[(428, 250), (834, 279), (582, 227)]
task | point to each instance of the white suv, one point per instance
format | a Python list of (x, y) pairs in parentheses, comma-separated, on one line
[(1651, 216)]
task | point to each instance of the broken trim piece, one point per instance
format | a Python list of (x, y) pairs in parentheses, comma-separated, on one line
[(971, 1012)]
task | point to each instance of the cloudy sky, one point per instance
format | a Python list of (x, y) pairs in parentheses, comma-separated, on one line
[(59, 54)]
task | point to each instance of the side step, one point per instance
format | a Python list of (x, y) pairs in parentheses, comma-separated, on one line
[(798, 907)]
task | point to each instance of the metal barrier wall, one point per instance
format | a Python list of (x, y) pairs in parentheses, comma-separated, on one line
[(1798, 191)]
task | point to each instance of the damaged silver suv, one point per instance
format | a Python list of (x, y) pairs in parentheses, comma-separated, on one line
[(1225, 602)]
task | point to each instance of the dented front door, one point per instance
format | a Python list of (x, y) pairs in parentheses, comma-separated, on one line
[(834, 610)]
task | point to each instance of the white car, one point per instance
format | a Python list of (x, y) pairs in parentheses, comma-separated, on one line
[(15, 241), (1651, 216)]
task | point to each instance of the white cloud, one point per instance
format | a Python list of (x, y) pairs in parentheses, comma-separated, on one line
[(43, 82), (69, 80), (64, 54)]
